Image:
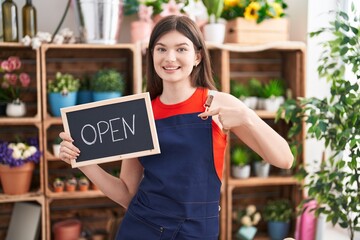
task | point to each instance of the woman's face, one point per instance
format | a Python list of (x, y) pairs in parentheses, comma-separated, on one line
[(174, 57)]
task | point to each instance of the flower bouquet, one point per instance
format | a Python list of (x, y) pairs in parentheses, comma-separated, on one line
[(12, 81), (17, 161)]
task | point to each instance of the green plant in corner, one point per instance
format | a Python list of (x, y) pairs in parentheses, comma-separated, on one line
[(279, 210), (108, 80), (240, 156), (335, 121)]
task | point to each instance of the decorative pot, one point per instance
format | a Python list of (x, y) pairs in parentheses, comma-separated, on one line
[(16, 108), (98, 96), (59, 100), (214, 32), (262, 169), (69, 229), (84, 96), (22, 175), (140, 31), (240, 171), (278, 230)]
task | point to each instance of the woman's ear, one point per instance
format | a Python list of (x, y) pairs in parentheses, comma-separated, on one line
[(198, 58)]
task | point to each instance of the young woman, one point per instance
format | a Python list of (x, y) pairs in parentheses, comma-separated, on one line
[(175, 194)]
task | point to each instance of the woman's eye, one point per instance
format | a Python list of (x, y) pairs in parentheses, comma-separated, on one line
[(160, 49), (181, 49)]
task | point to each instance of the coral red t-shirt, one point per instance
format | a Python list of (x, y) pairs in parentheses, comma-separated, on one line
[(195, 104)]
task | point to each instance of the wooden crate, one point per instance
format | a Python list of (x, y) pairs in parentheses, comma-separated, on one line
[(246, 32)]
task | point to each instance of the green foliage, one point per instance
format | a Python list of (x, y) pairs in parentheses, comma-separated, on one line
[(275, 88), (279, 210), (335, 121), (63, 83), (238, 89), (214, 7), (240, 156), (255, 87), (107, 80), (85, 83)]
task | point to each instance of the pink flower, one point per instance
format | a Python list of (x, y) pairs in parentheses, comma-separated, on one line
[(5, 65), (11, 78), (14, 62), (24, 79), (145, 13)]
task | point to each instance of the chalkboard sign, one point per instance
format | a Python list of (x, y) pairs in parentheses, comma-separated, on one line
[(112, 130)]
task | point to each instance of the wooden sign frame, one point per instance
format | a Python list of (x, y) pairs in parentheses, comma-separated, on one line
[(115, 102)]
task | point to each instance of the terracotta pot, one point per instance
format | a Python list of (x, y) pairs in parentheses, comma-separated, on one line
[(69, 229), (22, 175), (140, 31)]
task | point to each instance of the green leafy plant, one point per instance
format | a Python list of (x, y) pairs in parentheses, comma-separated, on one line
[(275, 88), (335, 121), (238, 89), (63, 83), (258, 10), (279, 210), (214, 9), (108, 80), (240, 156), (255, 87)]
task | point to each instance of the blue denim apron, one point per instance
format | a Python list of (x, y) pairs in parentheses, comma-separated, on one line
[(179, 195)]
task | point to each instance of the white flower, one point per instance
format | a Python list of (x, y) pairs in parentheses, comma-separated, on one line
[(27, 153), (32, 150), (17, 154), (21, 146), (58, 39), (35, 43), (250, 210), (246, 221), (26, 40), (44, 37), (257, 218)]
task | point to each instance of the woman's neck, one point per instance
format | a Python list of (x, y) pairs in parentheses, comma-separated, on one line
[(176, 93)]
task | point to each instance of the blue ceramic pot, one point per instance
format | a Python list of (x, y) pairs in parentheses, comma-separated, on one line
[(58, 100), (84, 97), (278, 230), (98, 96)]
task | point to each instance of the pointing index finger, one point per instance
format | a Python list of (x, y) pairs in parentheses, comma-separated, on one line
[(209, 113)]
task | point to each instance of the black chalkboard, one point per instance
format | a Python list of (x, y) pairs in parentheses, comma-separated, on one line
[(112, 130)]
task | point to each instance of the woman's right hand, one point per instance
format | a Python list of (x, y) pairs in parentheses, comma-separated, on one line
[(68, 151)]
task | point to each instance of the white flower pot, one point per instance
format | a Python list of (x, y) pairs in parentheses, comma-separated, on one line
[(272, 104), (262, 169), (214, 32), (240, 171), (56, 150), (250, 102), (16, 108)]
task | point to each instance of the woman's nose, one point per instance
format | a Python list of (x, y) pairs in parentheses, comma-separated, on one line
[(171, 56)]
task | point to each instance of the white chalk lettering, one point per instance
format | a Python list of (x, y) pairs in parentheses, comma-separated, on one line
[(82, 134), (113, 131), (101, 133), (102, 128), (133, 126)]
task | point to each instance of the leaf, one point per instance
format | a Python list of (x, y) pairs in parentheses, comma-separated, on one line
[(343, 51)]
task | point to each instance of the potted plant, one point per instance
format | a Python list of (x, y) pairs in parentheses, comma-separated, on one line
[(58, 185), (70, 184), (18, 159), (12, 82), (242, 92), (255, 21), (56, 146), (83, 183), (248, 218), (214, 30), (240, 162), (333, 120), (261, 167), (273, 94), (278, 214), (62, 92), (106, 84), (84, 94)]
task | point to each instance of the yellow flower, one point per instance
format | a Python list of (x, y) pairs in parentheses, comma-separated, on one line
[(230, 3), (275, 10), (251, 11)]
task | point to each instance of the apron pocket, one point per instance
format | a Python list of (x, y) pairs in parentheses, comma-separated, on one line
[(134, 227)]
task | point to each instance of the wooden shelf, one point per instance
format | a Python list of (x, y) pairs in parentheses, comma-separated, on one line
[(255, 181), (31, 196), (76, 194)]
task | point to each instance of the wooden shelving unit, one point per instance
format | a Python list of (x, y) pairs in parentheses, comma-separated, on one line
[(230, 61)]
